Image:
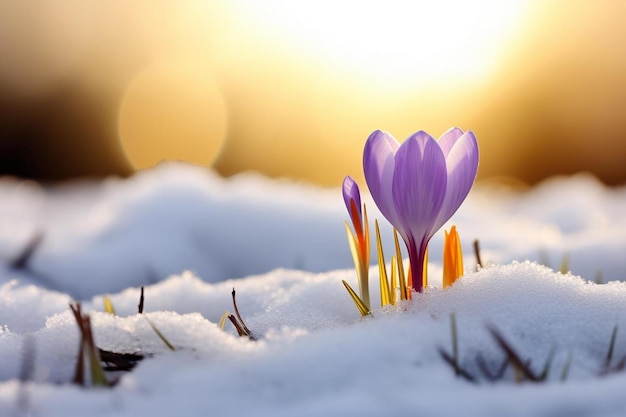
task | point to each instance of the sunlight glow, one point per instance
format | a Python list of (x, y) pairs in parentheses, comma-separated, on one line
[(396, 42), (172, 112)]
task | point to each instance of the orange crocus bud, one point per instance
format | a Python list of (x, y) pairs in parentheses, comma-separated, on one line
[(452, 257)]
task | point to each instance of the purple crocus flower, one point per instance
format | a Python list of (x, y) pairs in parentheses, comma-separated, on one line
[(420, 184)]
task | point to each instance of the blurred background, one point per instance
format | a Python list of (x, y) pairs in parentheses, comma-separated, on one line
[(293, 88)]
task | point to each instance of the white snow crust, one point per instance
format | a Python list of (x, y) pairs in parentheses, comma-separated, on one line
[(190, 237)]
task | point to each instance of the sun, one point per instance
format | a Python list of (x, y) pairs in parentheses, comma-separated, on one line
[(395, 42)]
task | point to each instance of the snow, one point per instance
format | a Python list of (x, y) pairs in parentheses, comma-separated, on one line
[(190, 237)]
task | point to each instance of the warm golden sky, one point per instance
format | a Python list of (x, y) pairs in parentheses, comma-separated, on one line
[(293, 88)]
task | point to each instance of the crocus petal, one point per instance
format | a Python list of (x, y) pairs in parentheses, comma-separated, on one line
[(378, 166), (419, 185), (462, 166), (351, 192), (448, 139)]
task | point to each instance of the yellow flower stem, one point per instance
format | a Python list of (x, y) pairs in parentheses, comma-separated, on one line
[(385, 297), (425, 273), (364, 239), (401, 278), (409, 284), (361, 268), (360, 305), (394, 280)]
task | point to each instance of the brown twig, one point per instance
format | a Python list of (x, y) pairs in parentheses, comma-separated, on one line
[(140, 306), (241, 324), (479, 262)]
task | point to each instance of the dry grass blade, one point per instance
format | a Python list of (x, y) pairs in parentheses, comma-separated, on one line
[(22, 260), (79, 371), (154, 328), (455, 338), (27, 373), (455, 366), (566, 367), (543, 376), (609, 353), (521, 367), (158, 333), (27, 367), (565, 263), (98, 377), (453, 360), (484, 368), (607, 368), (108, 305), (620, 365), (222, 322), (87, 350)]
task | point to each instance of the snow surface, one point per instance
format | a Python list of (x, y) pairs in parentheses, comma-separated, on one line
[(282, 246)]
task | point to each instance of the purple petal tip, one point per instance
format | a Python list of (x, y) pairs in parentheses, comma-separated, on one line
[(351, 191)]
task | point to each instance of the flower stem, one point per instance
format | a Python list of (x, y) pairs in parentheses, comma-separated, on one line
[(417, 257)]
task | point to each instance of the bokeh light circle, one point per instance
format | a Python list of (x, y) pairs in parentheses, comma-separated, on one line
[(172, 112)]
